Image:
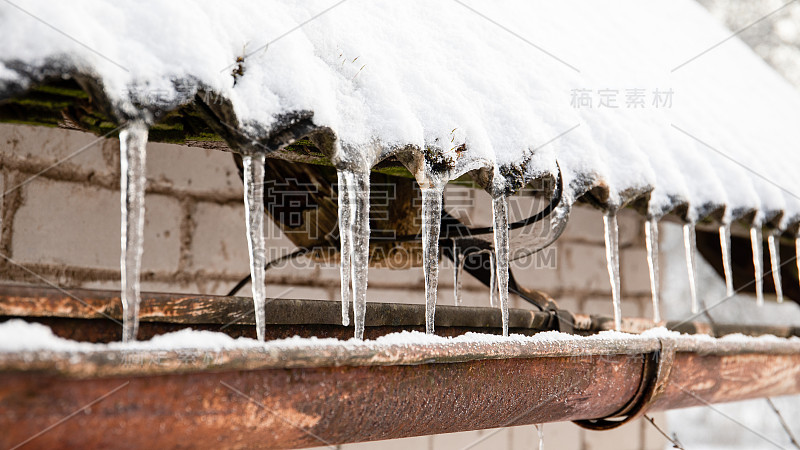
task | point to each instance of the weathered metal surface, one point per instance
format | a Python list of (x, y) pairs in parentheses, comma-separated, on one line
[(698, 379), (295, 408), (89, 315), (161, 313), (315, 406), (298, 393), (119, 360)]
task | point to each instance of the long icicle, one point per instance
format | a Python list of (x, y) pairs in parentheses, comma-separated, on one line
[(256, 244), (458, 272), (725, 244), (431, 224), (612, 263), (501, 250), (359, 184), (651, 235), (797, 252), (756, 239), (346, 201), (133, 153), (775, 261), (690, 249), (493, 281)]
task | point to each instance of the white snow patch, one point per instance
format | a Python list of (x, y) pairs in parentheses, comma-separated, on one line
[(17, 335), (436, 73)]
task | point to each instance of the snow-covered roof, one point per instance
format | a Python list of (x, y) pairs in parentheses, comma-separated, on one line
[(700, 121)]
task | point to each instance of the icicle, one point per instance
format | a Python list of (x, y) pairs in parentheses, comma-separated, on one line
[(725, 244), (690, 248), (458, 272), (612, 262), (254, 218), (651, 234), (756, 239), (358, 189), (797, 253), (345, 220), (501, 250), (431, 223), (354, 245), (133, 152), (492, 281), (540, 432), (775, 261)]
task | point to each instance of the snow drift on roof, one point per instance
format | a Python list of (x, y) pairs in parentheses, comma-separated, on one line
[(631, 95)]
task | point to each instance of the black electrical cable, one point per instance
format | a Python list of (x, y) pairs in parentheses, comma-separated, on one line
[(463, 233), (270, 264), (554, 202)]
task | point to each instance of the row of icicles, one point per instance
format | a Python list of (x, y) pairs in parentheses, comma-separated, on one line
[(690, 250), (353, 199)]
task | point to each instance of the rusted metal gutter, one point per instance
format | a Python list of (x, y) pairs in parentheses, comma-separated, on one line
[(299, 393), (93, 316)]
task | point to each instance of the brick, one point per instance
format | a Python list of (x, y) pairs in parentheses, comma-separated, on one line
[(481, 209), (646, 307), (537, 271), (193, 169), (77, 225), (569, 303), (381, 277), (406, 277), (598, 306), (631, 228), (583, 267), (459, 201), (380, 295), (301, 271), (585, 225), (542, 271), (51, 145), (219, 244), (328, 272), (604, 306), (161, 234), (471, 297), (634, 271)]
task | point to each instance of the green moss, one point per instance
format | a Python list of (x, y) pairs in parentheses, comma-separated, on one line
[(62, 91), (36, 123)]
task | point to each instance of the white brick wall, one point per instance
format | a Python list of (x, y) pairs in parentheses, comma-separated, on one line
[(65, 226), (57, 225)]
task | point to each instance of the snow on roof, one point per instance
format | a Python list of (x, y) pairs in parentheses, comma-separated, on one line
[(699, 118)]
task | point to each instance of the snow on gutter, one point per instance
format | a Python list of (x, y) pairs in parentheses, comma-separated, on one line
[(30, 346)]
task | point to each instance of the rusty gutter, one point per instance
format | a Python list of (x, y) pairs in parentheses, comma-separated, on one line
[(295, 393)]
